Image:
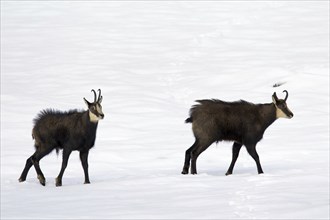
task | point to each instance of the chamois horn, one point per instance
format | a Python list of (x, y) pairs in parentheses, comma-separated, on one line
[(287, 94)]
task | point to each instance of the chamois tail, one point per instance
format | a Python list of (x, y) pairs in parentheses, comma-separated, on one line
[(189, 120)]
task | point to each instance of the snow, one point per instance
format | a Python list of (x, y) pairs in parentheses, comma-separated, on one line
[(152, 60)]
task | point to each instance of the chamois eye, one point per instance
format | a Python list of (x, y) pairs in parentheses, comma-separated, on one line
[(93, 108)]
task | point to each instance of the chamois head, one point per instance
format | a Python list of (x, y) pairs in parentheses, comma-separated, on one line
[(95, 108), (282, 110)]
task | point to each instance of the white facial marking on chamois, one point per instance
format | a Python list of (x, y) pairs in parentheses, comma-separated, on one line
[(93, 117), (280, 113)]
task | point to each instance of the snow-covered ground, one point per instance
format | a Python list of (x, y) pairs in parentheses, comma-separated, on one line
[(152, 60)]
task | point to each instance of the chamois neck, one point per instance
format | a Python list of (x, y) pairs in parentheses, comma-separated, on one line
[(268, 112)]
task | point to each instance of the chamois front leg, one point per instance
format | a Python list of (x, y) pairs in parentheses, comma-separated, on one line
[(253, 153), (84, 162), (236, 149)]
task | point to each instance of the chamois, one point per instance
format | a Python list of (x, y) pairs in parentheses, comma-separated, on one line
[(241, 122), (72, 130)]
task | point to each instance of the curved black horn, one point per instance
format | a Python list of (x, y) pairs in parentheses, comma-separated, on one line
[(100, 97), (94, 95), (287, 94)]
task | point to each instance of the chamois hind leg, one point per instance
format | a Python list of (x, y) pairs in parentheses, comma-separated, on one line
[(26, 169), (188, 158), (236, 149), (251, 148), (195, 153), (66, 155), (37, 156)]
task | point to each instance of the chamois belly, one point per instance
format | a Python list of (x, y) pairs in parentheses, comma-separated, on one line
[(230, 135)]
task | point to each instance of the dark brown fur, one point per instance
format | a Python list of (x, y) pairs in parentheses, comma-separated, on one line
[(72, 130), (242, 122)]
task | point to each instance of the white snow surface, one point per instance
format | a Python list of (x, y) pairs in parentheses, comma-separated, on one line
[(152, 59)]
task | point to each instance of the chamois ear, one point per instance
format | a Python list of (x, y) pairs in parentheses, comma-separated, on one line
[(87, 102), (275, 99)]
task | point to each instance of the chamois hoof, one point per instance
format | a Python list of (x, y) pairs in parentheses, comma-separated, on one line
[(58, 182), (184, 171), (228, 173), (42, 180), (21, 180), (87, 182)]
